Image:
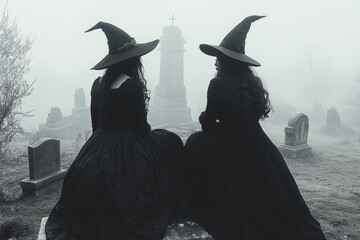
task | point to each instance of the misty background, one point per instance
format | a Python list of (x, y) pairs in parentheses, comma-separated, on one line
[(309, 49)]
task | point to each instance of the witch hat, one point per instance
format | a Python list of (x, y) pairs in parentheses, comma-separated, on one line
[(121, 45), (233, 45)]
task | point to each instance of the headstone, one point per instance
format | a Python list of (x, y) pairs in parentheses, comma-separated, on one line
[(169, 103), (44, 167), (333, 118), (296, 136)]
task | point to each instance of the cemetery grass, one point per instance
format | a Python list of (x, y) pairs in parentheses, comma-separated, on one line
[(329, 181), (20, 216)]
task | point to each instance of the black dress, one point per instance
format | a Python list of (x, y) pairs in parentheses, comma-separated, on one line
[(238, 184), (124, 182)]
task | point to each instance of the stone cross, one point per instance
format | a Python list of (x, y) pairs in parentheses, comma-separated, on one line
[(296, 136), (172, 19)]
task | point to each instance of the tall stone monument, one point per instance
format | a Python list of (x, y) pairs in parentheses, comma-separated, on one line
[(169, 103)]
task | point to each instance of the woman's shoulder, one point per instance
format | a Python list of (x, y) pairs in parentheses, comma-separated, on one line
[(96, 85), (217, 82)]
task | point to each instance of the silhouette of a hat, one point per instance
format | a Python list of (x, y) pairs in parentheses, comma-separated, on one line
[(233, 45), (121, 45)]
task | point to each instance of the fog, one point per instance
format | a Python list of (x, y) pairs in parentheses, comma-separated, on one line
[(309, 50)]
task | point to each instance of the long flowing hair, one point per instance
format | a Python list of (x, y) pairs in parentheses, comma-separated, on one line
[(132, 67), (245, 92)]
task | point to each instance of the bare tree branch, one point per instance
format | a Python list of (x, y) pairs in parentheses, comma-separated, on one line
[(14, 64)]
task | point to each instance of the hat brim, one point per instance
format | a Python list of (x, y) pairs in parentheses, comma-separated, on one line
[(212, 50), (139, 50)]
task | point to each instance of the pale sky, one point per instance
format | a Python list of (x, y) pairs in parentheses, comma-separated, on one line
[(327, 32)]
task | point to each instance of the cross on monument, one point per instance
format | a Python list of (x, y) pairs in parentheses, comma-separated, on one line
[(172, 19)]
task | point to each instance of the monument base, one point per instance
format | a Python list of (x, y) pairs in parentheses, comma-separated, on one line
[(38, 186), (295, 151)]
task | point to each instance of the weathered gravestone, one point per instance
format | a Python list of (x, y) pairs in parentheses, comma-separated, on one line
[(296, 135), (333, 118), (44, 167)]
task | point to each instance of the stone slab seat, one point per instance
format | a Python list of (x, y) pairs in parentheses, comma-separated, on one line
[(179, 229)]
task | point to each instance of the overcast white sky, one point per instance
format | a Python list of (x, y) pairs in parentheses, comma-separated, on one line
[(62, 54)]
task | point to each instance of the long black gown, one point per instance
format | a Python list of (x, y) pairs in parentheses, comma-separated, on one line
[(238, 184), (124, 182)]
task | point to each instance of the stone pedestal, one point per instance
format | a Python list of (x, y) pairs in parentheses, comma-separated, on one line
[(295, 151), (42, 185)]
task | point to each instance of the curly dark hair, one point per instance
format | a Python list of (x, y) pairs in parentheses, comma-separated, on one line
[(132, 67), (245, 92)]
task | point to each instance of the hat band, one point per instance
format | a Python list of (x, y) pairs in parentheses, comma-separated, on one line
[(236, 47), (126, 45)]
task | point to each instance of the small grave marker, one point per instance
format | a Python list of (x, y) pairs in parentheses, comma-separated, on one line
[(44, 167), (296, 136)]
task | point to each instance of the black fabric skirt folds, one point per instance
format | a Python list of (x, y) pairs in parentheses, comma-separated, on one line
[(240, 187), (120, 186)]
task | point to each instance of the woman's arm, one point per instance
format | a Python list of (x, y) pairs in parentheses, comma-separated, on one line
[(93, 110), (210, 115)]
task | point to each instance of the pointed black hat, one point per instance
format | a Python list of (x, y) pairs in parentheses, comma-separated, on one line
[(121, 45), (233, 45)]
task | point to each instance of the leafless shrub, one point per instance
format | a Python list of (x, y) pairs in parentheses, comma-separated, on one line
[(14, 64)]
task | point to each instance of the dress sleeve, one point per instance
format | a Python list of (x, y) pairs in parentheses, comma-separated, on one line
[(209, 117), (93, 110), (139, 111)]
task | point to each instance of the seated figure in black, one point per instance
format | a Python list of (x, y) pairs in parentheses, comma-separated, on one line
[(124, 182), (238, 184)]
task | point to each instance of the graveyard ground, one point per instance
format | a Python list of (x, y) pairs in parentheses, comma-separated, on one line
[(329, 180)]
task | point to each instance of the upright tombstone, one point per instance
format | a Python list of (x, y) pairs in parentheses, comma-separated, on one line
[(333, 118), (44, 167), (169, 103), (296, 136)]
